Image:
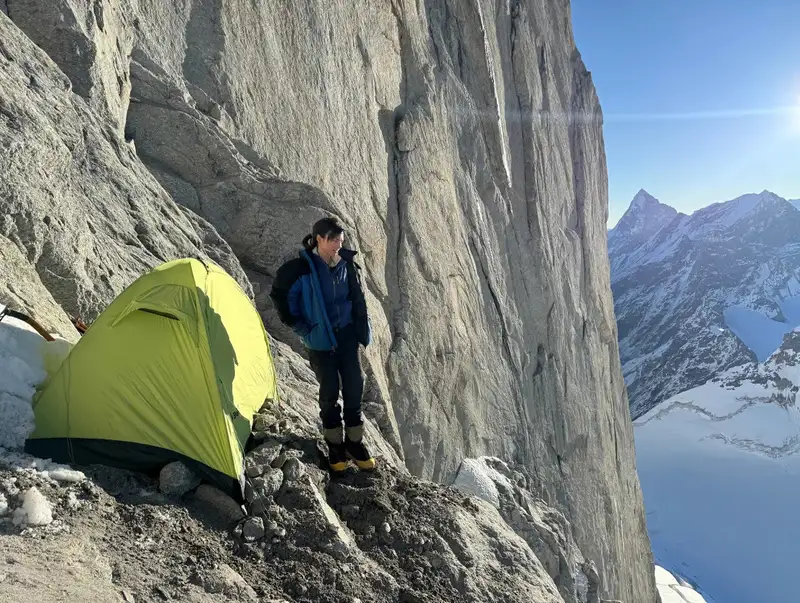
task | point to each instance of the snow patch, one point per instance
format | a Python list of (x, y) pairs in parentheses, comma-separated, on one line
[(35, 510), (24, 355), (477, 477), (21, 462), (23, 369), (674, 591), (664, 578), (67, 475)]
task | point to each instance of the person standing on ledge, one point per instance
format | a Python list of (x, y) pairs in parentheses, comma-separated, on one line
[(320, 296)]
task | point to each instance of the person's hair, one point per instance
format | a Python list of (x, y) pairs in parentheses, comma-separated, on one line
[(327, 228)]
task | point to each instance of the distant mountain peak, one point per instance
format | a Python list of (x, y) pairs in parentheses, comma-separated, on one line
[(645, 202), (765, 195), (644, 217), (643, 199)]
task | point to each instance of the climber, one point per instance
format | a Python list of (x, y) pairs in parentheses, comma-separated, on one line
[(320, 296)]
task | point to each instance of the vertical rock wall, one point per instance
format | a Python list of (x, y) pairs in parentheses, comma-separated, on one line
[(461, 142)]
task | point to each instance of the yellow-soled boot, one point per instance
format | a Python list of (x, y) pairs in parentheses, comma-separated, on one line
[(356, 450), (337, 452)]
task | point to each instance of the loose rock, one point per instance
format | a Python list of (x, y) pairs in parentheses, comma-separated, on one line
[(176, 479), (263, 422), (224, 580), (280, 460), (273, 480), (215, 502), (258, 460), (253, 529), (293, 469)]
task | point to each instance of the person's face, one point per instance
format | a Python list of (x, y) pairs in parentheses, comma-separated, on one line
[(330, 247)]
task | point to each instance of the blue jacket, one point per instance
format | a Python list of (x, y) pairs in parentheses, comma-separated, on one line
[(315, 300)]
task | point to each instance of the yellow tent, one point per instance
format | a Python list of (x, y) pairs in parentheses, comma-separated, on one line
[(174, 369)]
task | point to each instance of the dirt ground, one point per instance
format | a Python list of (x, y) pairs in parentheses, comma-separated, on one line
[(360, 537)]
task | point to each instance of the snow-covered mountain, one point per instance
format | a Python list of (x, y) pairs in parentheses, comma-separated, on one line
[(720, 471), (644, 218), (698, 294)]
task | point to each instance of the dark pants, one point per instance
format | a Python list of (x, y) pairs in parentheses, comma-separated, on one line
[(330, 367)]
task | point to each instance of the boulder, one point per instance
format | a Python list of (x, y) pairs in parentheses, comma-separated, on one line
[(258, 461), (176, 479), (293, 469), (253, 529), (214, 502)]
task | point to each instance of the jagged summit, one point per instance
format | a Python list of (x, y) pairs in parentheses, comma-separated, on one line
[(645, 216), (644, 199)]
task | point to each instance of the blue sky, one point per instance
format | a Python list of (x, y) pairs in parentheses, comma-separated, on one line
[(701, 98)]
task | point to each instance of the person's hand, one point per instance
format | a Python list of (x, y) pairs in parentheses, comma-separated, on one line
[(302, 328)]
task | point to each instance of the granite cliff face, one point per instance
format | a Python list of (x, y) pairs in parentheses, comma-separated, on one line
[(461, 142)]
